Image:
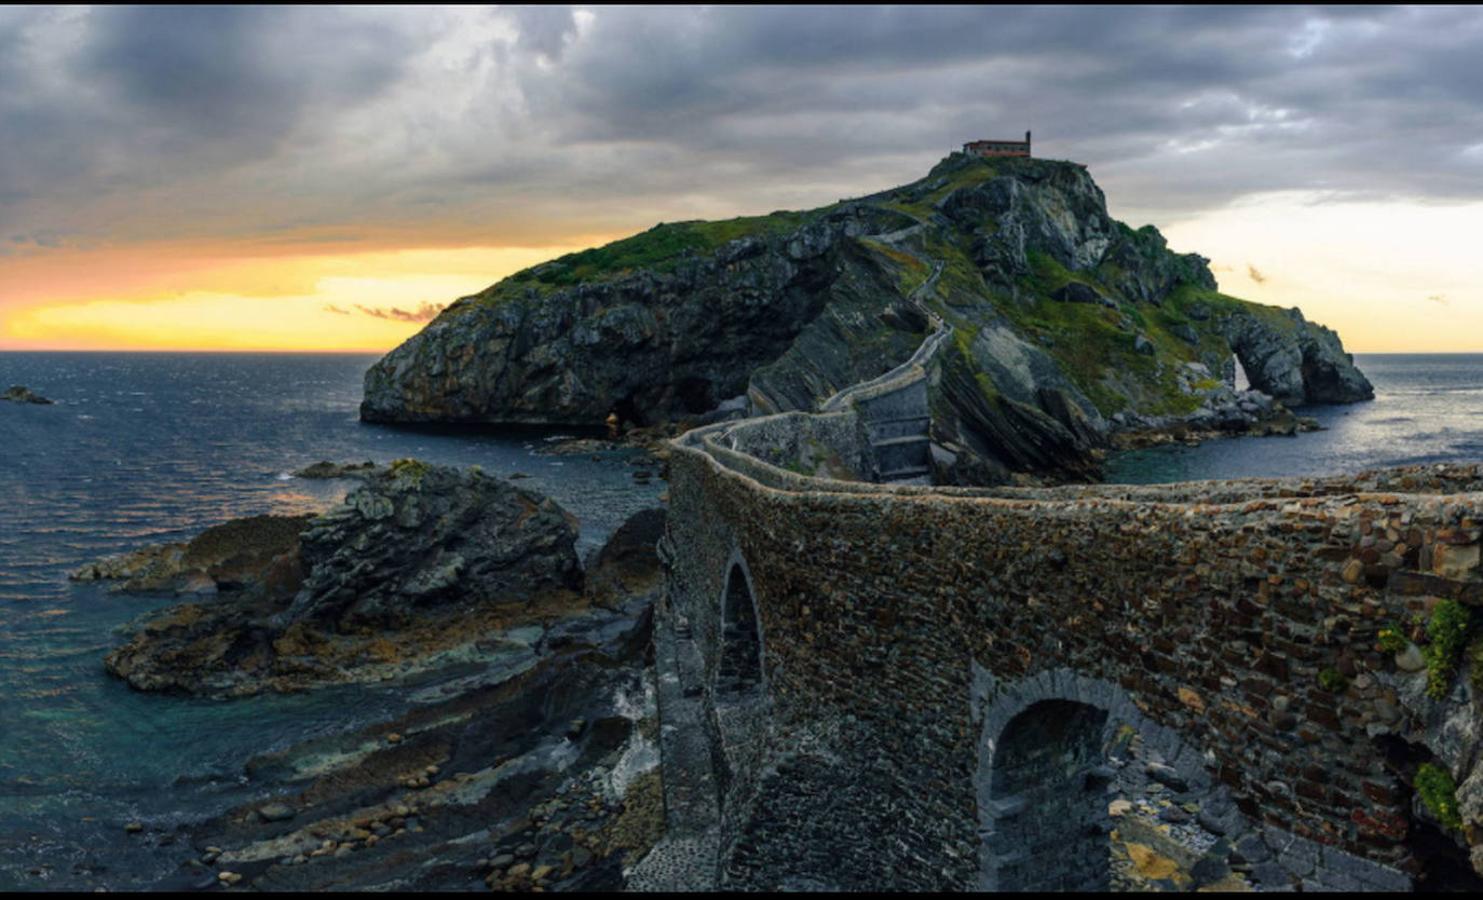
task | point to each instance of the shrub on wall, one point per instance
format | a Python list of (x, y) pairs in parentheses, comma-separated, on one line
[(1447, 634)]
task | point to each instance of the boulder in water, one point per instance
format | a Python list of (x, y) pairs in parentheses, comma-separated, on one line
[(419, 560), (19, 393)]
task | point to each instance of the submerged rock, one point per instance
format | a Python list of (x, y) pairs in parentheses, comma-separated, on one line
[(326, 469), (18, 393)]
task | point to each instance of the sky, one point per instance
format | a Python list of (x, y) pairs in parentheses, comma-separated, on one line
[(313, 178)]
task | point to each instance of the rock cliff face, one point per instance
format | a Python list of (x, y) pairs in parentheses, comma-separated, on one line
[(1068, 325), (656, 342)]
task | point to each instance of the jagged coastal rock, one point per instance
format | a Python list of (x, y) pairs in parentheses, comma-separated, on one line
[(418, 561), (327, 469), (19, 393), (527, 759), (1067, 327), (417, 536), (234, 555)]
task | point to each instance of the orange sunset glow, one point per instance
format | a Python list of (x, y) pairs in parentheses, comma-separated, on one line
[(383, 161), (195, 298)]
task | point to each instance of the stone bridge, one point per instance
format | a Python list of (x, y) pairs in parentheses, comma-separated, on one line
[(886, 686)]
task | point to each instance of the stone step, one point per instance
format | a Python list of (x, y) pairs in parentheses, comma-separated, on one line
[(887, 420), (901, 441), (899, 474)]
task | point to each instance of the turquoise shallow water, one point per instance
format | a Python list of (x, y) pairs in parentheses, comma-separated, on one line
[(150, 447), (1427, 408)]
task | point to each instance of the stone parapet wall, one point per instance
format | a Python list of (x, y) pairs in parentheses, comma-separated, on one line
[(1240, 615)]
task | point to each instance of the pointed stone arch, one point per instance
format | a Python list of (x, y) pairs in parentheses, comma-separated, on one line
[(740, 676)]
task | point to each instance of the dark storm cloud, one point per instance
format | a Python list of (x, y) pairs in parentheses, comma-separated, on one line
[(510, 120), (544, 30), (238, 75), (127, 97), (1176, 109)]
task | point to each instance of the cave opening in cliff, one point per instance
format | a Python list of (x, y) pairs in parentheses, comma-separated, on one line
[(696, 395), (629, 412)]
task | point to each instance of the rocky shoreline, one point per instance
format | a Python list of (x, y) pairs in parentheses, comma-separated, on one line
[(1227, 413), (414, 567), (528, 759)]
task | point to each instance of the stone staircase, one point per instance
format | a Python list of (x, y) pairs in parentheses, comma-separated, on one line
[(894, 412), (902, 448), (685, 859), (893, 407)]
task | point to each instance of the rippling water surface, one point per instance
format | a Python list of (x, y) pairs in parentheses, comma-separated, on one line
[(1427, 408), (147, 447)]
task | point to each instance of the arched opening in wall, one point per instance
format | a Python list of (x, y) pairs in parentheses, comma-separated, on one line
[(1047, 827), (739, 669), (1442, 859), (1077, 790), (738, 692)]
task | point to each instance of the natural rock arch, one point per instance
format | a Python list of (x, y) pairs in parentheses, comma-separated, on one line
[(1042, 778)]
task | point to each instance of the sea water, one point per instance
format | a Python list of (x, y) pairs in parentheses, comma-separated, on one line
[(148, 447), (1428, 408)]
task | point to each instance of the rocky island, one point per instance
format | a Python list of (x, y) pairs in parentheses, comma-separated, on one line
[(1067, 333), (871, 649), (19, 393)]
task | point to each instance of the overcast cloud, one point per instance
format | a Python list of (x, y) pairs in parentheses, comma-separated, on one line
[(527, 125)]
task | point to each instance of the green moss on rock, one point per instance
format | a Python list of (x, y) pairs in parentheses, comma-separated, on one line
[(1447, 635), (1438, 793)]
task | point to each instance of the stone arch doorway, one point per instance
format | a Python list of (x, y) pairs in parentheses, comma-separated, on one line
[(1043, 780), (738, 705), (1049, 788), (739, 664)]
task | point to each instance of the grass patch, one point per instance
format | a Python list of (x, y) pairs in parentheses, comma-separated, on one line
[(658, 249), (910, 271)]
